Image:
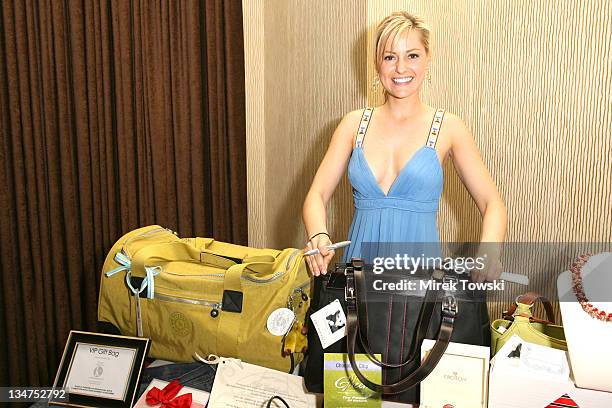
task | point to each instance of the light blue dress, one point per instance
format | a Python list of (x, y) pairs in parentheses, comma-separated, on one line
[(408, 213)]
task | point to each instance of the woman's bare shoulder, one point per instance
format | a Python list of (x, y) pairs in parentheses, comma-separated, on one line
[(456, 130), (455, 124), (349, 124), (353, 117), (451, 118)]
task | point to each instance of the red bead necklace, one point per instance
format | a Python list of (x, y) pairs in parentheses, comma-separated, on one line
[(576, 270)]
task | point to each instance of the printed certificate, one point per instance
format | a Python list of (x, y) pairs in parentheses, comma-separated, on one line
[(100, 371)]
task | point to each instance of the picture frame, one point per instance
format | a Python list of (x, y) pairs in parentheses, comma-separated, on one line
[(100, 369)]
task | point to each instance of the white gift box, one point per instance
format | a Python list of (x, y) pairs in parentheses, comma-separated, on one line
[(199, 398), (460, 378), (538, 377)]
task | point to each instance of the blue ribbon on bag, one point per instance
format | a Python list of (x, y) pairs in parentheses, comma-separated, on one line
[(126, 265)]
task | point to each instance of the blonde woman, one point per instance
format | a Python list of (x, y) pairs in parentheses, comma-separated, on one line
[(395, 153)]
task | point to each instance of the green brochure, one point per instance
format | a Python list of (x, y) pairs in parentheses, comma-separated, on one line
[(343, 389)]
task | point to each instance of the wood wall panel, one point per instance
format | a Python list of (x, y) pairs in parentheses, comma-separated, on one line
[(531, 79), (313, 73), (254, 50)]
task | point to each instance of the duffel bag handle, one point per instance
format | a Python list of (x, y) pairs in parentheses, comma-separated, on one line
[(156, 254), (186, 252), (354, 281), (176, 251)]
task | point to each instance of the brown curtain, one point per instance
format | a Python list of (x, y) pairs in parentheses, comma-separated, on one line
[(114, 115)]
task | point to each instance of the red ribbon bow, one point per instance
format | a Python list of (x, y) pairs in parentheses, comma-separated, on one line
[(166, 396)]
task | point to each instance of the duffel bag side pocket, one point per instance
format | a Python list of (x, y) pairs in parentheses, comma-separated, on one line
[(180, 326)]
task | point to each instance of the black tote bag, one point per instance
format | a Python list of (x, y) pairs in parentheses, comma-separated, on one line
[(392, 322)]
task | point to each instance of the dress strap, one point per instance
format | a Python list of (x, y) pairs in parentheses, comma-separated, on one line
[(435, 128), (363, 126)]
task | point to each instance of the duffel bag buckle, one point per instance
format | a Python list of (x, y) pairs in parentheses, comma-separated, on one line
[(450, 307)]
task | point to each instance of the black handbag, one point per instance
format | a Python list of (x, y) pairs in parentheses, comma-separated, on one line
[(394, 325)]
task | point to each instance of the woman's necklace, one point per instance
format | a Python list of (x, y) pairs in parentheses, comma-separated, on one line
[(576, 270)]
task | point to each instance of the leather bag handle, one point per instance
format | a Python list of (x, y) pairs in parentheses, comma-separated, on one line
[(276, 397), (529, 299), (425, 315), (449, 312)]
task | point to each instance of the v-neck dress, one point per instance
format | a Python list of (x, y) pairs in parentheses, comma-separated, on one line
[(408, 212)]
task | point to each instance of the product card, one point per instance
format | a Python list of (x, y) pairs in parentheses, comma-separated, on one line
[(532, 360), (462, 374), (544, 361), (330, 323), (509, 356), (342, 389), (532, 377), (242, 385)]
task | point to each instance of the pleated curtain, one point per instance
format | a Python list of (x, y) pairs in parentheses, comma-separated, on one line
[(114, 115)]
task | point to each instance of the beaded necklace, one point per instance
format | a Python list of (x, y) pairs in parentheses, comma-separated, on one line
[(576, 270)]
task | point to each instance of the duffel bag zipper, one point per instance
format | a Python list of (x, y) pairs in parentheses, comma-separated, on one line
[(206, 303), (144, 234), (299, 290), (150, 232), (216, 306), (277, 275)]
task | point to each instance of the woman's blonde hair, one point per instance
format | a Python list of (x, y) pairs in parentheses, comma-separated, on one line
[(393, 26)]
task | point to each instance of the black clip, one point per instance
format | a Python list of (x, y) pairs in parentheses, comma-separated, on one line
[(349, 293), (450, 307), (452, 280), (349, 289)]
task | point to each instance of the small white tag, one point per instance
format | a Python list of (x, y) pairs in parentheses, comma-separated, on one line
[(330, 323), (544, 361), (280, 321), (501, 329)]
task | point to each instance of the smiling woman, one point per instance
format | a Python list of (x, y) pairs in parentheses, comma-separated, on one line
[(396, 171), (394, 155), (402, 52)]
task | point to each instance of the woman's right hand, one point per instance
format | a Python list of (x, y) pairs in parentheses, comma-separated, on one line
[(324, 184), (318, 263)]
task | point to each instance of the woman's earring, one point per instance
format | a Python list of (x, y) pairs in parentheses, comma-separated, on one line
[(375, 83), (429, 76)]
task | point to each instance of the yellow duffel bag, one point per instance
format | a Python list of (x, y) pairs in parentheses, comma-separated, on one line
[(198, 295)]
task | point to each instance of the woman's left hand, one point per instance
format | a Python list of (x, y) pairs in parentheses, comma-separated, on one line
[(492, 271), (492, 268)]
